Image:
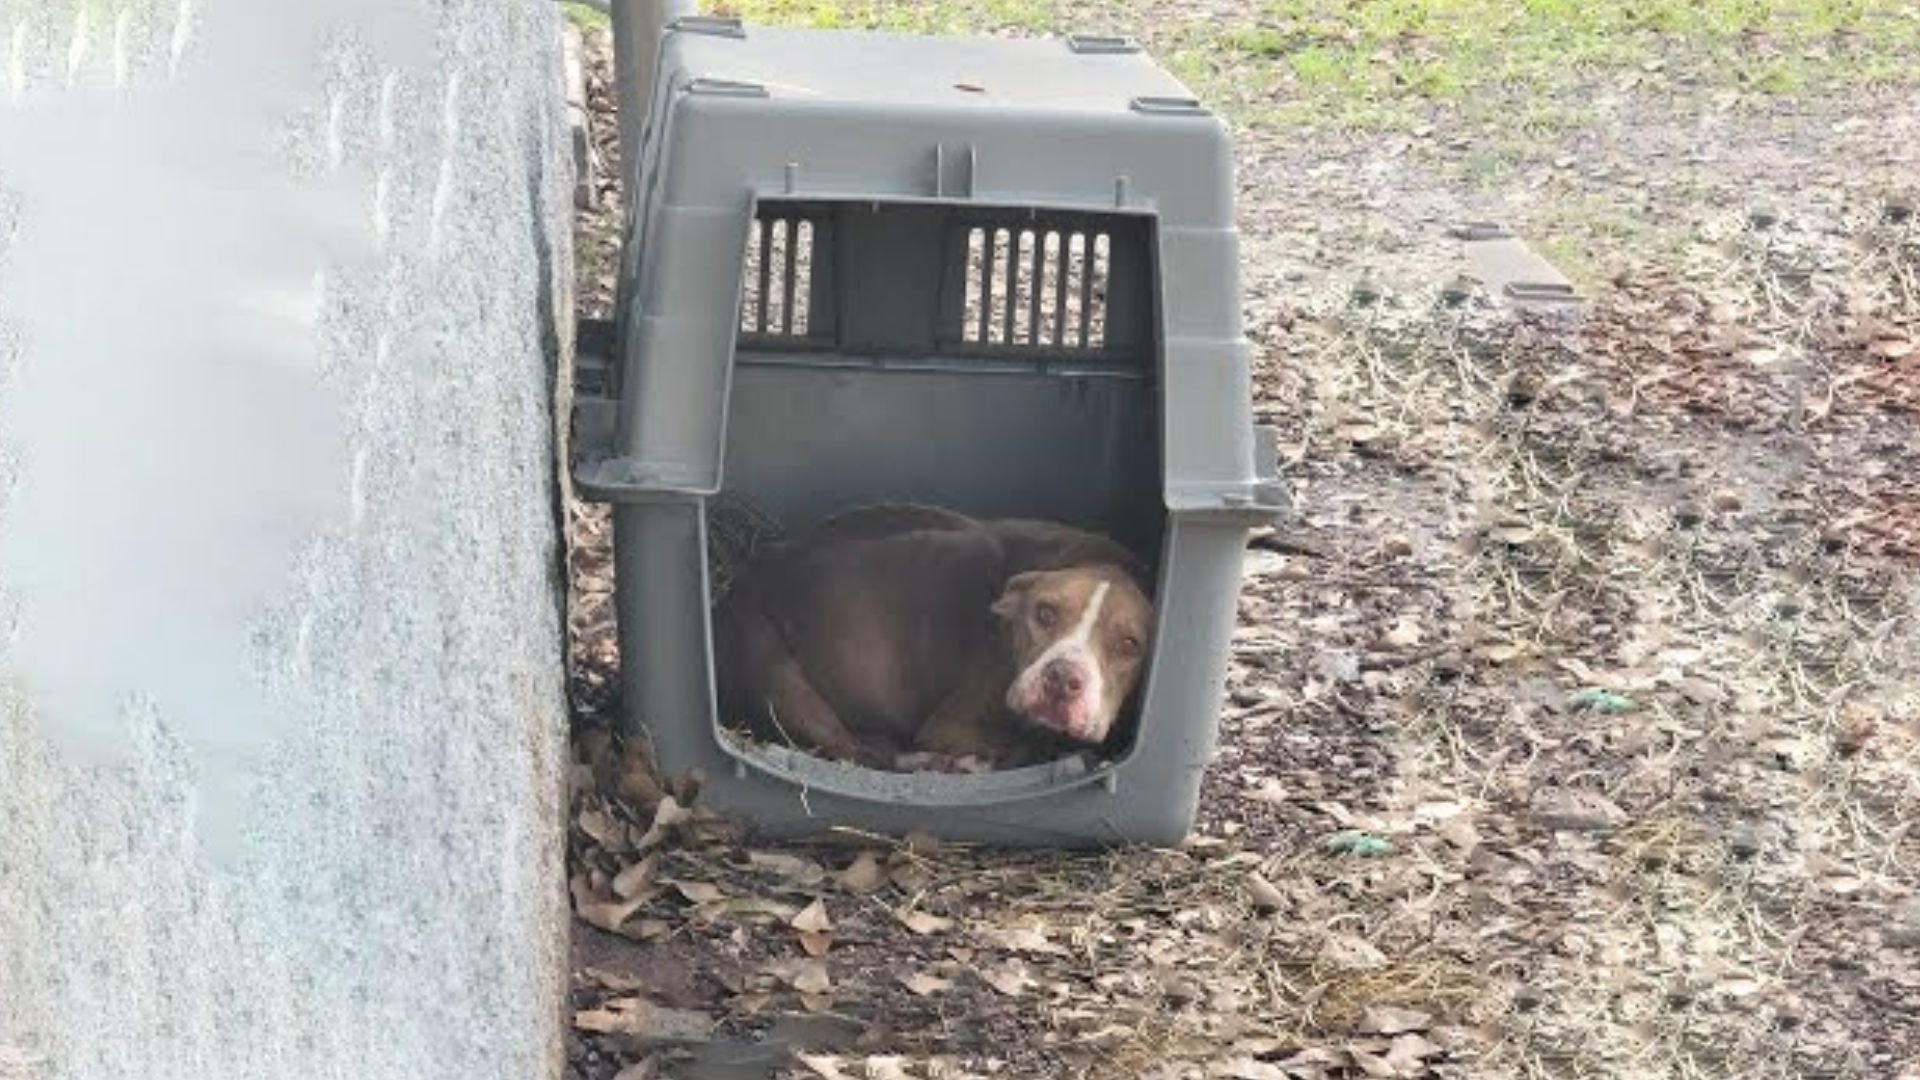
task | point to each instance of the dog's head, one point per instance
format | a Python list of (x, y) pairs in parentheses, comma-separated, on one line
[(1079, 638)]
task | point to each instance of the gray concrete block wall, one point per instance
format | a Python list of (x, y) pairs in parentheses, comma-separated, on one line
[(281, 699)]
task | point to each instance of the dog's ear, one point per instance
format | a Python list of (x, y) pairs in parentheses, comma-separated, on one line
[(1014, 591)]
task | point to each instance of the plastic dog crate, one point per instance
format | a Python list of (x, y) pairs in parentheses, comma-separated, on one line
[(995, 276)]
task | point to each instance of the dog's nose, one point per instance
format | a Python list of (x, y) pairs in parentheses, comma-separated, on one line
[(1064, 680)]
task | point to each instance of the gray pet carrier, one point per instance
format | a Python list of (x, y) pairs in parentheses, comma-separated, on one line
[(997, 276)]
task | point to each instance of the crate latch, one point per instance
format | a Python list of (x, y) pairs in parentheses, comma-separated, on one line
[(1102, 44), (1480, 230), (738, 88), (1168, 106), (711, 25), (1542, 292)]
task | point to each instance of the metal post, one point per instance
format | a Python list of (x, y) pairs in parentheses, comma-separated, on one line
[(637, 27)]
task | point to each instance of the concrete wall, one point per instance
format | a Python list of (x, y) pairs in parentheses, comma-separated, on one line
[(281, 706)]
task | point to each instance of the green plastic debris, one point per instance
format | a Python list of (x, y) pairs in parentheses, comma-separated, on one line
[(1605, 701), (1365, 293), (1354, 842)]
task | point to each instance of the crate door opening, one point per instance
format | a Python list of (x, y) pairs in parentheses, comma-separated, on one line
[(997, 362)]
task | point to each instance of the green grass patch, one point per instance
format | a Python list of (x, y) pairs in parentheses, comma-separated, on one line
[(1370, 63), (932, 17), (587, 19)]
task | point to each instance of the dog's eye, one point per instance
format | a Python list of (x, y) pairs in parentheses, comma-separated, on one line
[(1046, 615), (1128, 648)]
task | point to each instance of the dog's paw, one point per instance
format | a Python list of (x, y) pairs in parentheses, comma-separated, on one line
[(928, 761)]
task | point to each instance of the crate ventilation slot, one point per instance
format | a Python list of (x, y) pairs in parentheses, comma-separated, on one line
[(1043, 288), (778, 295)]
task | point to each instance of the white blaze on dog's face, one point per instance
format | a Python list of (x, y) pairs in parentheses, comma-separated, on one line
[(1079, 638)]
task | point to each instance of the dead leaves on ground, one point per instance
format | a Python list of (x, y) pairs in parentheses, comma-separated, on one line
[(875, 1067), (1373, 911), (1403, 1058), (924, 923), (864, 875), (645, 1021), (912, 930)]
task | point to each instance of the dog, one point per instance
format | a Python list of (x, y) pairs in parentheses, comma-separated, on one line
[(900, 636)]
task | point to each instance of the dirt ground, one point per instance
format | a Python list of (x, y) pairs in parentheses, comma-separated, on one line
[(1573, 727)]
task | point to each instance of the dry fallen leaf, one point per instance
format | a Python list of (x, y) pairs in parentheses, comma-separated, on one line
[(1314, 1058), (1010, 978), (1409, 1052), (632, 881), (807, 976), (825, 1066), (598, 826), (813, 919), (1393, 1020), (599, 912), (613, 980), (1460, 833), (1701, 691), (1247, 1069), (801, 871), (910, 876), (667, 815), (647, 929), (1024, 939), (887, 1067), (864, 876), (925, 985), (1266, 896), (699, 892), (923, 923), (638, 783), (1577, 810), (1404, 634), (1502, 652), (642, 1019), (1346, 952), (816, 944), (1271, 791), (752, 909), (1359, 433), (1372, 1064), (1844, 884)]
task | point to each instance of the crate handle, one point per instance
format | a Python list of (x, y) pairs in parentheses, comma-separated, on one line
[(727, 88), (1542, 291), (1168, 106), (1471, 231), (716, 25), (1102, 44)]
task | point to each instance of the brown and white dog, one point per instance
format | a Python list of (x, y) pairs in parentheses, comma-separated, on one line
[(915, 637)]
